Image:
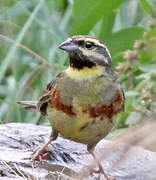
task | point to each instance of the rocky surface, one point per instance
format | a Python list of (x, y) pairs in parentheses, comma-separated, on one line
[(68, 160)]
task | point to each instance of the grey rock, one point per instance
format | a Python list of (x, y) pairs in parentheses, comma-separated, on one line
[(68, 159)]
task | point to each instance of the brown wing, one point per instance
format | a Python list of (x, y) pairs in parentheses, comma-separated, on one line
[(46, 96)]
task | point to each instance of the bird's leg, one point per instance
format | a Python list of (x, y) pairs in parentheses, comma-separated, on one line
[(39, 154), (100, 170)]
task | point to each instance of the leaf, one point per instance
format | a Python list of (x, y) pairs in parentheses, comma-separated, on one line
[(107, 25), (115, 133), (124, 39), (150, 68), (147, 7), (148, 54), (132, 93), (118, 58), (151, 33), (87, 13), (133, 118)]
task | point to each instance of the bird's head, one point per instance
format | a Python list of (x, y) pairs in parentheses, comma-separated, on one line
[(86, 51)]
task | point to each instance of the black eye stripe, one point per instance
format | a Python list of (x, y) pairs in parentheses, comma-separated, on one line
[(80, 43)]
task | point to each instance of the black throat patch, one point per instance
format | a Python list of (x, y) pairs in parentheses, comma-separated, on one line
[(79, 61)]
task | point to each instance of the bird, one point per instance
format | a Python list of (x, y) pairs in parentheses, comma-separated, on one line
[(83, 100)]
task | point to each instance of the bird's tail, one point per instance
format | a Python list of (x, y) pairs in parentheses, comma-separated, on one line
[(29, 105)]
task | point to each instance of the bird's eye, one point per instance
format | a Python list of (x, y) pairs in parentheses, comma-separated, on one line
[(89, 45)]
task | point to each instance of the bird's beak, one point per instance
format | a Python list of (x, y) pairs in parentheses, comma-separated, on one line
[(68, 46)]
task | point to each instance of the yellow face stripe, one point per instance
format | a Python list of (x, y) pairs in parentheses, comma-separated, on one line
[(85, 73), (95, 41)]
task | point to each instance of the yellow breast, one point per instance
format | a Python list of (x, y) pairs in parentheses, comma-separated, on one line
[(85, 73)]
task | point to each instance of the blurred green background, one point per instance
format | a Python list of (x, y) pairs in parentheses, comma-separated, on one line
[(30, 31)]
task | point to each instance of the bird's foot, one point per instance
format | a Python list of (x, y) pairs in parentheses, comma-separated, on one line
[(101, 171), (42, 154), (39, 156)]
